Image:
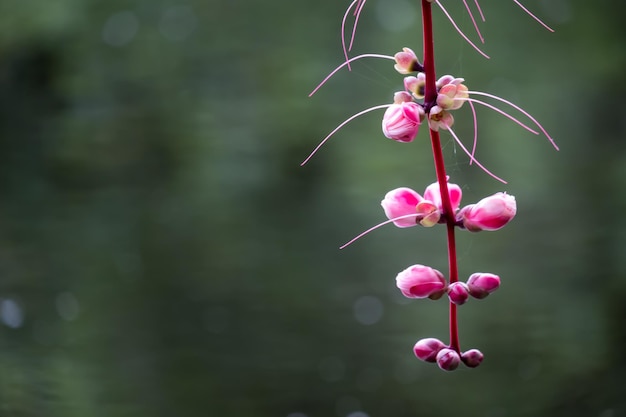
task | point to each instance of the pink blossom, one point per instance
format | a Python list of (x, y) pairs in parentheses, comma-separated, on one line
[(401, 202), (406, 61), (401, 121), (490, 213), (433, 194), (419, 281)]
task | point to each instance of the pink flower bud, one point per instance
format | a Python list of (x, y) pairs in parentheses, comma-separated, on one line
[(490, 213), (451, 96), (400, 97), (428, 213), (472, 358), (406, 62), (481, 284), (416, 85), (448, 359), (448, 79), (400, 202), (419, 281), (433, 194), (401, 121), (458, 293), (427, 349), (438, 118)]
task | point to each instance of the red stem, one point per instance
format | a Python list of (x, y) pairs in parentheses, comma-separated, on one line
[(430, 97)]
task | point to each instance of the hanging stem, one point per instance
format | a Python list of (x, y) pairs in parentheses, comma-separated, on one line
[(430, 98)]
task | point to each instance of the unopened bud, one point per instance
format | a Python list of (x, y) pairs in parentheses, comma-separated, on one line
[(481, 284), (458, 293), (448, 359), (407, 62), (472, 358), (427, 349), (401, 121), (433, 193), (490, 213), (419, 281), (401, 202)]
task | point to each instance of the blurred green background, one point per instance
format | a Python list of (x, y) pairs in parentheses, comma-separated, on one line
[(162, 253)]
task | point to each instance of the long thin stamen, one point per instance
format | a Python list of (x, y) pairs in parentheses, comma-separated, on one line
[(480, 11), (533, 16), (469, 11), (347, 63), (475, 141), (343, 32), (460, 31), (518, 108), (491, 174), (357, 15), (382, 106), (406, 216), (502, 112)]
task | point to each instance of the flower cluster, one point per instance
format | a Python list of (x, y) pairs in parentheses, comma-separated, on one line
[(402, 119), (428, 97), (404, 207)]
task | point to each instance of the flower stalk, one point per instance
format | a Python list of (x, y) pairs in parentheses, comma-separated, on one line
[(428, 98)]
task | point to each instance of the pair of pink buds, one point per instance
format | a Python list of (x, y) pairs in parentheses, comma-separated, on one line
[(406, 208)]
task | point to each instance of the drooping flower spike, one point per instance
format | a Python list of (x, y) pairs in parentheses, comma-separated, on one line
[(435, 100)]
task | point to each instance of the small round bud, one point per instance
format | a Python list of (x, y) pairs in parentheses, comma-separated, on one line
[(458, 293), (472, 358), (427, 349), (419, 281), (448, 359), (481, 284)]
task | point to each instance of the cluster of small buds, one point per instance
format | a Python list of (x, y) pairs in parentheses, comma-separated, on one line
[(435, 351), (405, 208), (420, 281), (402, 119)]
